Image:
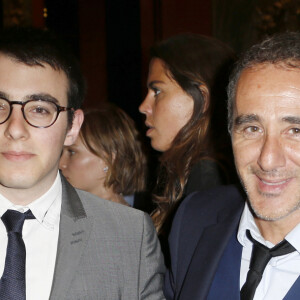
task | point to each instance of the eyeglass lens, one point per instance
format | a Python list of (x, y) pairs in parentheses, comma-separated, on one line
[(37, 112)]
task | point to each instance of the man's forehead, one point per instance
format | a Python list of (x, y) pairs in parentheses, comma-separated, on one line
[(19, 80), (259, 69), (268, 79), (269, 92)]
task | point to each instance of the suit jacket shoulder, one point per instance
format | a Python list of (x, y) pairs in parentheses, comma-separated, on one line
[(202, 206), (195, 227), (105, 211), (105, 251)]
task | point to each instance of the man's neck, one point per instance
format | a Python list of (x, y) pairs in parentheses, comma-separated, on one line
[(22, 198)]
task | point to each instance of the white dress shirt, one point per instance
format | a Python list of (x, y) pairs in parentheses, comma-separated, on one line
[(40, 236), (281, 272)]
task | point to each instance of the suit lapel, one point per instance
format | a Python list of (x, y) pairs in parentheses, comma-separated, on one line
[(74, 232), (207, 255), (294, 291), (226, 280)]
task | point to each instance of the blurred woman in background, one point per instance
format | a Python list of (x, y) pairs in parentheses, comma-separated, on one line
[(107, 158), (185, 111)]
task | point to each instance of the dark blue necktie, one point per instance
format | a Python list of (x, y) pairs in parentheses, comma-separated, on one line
[(12, 283)]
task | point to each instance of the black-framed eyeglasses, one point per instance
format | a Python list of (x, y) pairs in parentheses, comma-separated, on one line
[(37, 113)]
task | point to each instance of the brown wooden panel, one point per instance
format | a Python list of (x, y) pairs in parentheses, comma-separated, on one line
[(93, 50), (38, 13), (186, 16)]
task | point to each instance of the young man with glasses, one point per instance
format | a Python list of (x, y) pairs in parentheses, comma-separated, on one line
[(58, 242)]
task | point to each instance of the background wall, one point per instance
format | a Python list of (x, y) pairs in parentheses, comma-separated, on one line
[(112, 37)]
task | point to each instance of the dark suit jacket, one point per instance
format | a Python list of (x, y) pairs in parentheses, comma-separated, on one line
[(204, 175), (202, 227), (105, 251)]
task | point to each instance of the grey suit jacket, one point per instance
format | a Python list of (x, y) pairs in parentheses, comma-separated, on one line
[(105, 251)]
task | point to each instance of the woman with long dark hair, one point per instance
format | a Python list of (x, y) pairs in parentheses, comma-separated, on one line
[(185, 111)]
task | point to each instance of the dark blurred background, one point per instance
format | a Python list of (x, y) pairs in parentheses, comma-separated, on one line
[(112, 37)]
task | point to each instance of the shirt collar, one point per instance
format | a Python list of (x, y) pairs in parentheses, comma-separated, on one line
[(293, 238), (46, 209), (247, 222)]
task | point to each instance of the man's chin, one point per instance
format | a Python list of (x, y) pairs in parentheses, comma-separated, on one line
[(274, 211), (17, 182)]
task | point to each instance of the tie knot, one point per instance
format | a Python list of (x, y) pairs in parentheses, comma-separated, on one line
[(14, 220), (262, 254), (282, 248)]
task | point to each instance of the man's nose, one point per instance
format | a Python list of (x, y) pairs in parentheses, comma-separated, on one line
[(16, 125), (272, 155)]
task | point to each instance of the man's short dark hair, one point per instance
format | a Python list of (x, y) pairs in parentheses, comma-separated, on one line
[(282, 49), (36, 47)]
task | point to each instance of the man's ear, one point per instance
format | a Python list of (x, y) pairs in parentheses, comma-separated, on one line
[(74, 130)]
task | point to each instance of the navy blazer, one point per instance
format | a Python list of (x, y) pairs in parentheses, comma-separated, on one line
[(202, 227)]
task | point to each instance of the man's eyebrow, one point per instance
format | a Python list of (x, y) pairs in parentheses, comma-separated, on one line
[(242, 119), (291, 119), (42, 96), (3, 95)]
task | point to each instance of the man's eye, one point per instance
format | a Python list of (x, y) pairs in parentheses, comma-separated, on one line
[(294, 131), (40, 110), (252, 131)]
